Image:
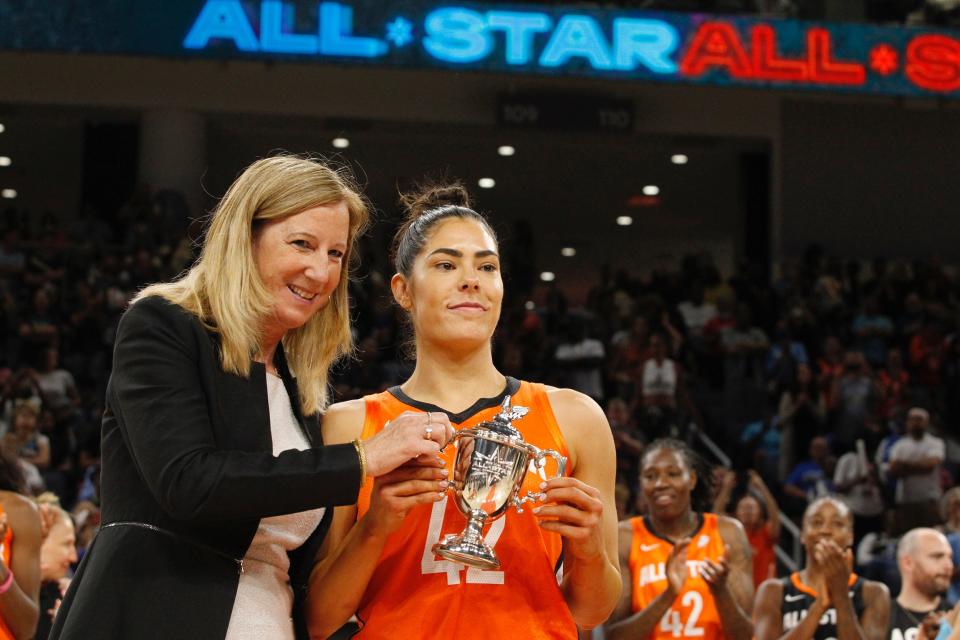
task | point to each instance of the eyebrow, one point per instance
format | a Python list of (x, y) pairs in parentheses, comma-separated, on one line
[(459, 254)]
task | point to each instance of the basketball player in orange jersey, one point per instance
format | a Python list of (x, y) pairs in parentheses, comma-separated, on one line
[(558, 560), (826, 600), (686, 574)]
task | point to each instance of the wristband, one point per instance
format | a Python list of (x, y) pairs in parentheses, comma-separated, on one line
[(362, 454), (5, 586)]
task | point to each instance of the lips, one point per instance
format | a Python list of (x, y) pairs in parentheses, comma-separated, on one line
[(301, 293), (476, 306)]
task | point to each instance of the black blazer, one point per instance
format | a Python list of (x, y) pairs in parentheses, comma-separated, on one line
[(186, 449)]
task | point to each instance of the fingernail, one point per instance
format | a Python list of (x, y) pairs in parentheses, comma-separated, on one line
[(443, 485), (537, 509), (444, 473), (440, 496), (543, 485), (542, 497)]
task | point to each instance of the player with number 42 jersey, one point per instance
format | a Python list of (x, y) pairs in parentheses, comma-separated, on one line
[(686, 573), (558, 565)]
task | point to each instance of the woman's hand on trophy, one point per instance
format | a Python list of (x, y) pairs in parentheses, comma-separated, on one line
[(420, 481), (409, 435), (574, 509)]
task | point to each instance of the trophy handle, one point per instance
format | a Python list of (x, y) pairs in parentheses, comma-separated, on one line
[(538, 462)]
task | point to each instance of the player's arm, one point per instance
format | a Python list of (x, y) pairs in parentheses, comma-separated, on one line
[(581, 508), (19, 606), (641, 624), (622, 610), (351, 550), (731, 580), (874, 621)]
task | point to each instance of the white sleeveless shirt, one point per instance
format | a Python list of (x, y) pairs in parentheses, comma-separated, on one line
[(264, 602)]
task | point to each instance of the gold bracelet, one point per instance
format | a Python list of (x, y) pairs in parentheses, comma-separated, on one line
[(362, 454)]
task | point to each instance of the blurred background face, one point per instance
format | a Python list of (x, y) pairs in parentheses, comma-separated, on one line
[(916, 423), (617, 412), (59, 550), (826, 520), (25, 422), (748, 512), (666, 483), (930, 565)]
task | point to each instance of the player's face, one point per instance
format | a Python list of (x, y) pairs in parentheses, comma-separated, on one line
[(455, 290), (666, 482), (932, 564), (826, 521)]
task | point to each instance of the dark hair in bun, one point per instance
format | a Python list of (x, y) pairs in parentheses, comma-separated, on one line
[(425, 208)]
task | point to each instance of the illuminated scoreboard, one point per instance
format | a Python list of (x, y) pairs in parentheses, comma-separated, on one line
[(617, 44)]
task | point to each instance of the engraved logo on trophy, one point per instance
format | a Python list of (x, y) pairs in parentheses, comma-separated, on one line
[(491, 462)]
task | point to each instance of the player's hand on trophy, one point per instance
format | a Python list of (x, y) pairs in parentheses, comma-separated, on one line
[(420, 481), (409, 435), (574, 509)]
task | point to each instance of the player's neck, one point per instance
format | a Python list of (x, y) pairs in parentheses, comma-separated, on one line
[(677, 529), (453, 381), (915, 600)]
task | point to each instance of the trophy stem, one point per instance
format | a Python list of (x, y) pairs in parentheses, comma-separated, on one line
[(469, 548)]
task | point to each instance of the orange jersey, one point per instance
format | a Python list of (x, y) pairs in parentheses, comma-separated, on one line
[(415, 594), (6, 552), (694, 613)]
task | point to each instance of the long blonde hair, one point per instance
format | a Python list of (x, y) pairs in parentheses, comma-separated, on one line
[(224, 289)]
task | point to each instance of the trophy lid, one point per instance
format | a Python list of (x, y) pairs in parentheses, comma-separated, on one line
[(502, 423)]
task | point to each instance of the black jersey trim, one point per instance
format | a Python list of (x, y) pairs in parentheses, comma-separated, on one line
[(648, 523), (511, 388)]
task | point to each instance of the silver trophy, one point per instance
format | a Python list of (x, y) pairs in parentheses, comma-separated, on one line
[(491, 463)]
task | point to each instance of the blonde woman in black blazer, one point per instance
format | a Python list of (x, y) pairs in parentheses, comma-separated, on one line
[(188, 465)]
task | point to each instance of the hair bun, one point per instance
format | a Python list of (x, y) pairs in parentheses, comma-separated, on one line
[(431, 196)]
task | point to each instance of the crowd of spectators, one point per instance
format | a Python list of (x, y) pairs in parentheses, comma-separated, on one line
[(827, 376)]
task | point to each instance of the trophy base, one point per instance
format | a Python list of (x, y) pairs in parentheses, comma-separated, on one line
[(457, 549)]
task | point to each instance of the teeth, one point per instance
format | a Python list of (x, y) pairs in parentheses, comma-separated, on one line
[(300, 292)]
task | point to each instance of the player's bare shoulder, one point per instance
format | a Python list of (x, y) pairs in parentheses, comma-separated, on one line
[(343, 421)]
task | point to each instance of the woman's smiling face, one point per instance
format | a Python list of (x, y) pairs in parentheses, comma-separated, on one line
[(299, 259)]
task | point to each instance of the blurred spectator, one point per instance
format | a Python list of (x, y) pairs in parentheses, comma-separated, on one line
[(783, 358), (57, 555), (809, 479), (57, 385), (854, 396), (829, 366), (915, 461), (893, 383), (628, 440), (662, 391), (580, 359), (757, 511), (25, 440), (876, 555), (802, 412), (872, 330), (696, 313), (856, 482), (743, 346)]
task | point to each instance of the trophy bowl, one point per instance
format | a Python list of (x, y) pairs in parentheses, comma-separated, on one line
[(491, 462)]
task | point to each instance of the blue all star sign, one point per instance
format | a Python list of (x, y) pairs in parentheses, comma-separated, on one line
[(617, 44)]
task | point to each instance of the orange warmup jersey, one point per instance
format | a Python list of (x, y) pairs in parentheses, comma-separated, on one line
[(694, 612), (415, 594), (6, 552)]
